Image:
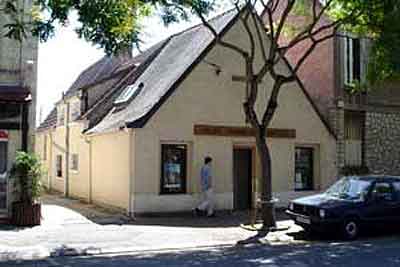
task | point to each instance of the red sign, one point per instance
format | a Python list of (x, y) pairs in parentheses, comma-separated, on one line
[(3, 134)]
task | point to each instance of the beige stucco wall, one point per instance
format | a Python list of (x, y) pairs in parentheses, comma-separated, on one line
[(79, 179), (56, 145), (205, 98), (111, 169)]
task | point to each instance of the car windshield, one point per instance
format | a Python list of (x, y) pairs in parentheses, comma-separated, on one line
[(349, 188)]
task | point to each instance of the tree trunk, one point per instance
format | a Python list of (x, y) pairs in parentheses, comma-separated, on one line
[(267, 204)]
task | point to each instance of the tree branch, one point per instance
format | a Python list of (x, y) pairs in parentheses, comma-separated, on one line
[(217, 37), (283, 18), (311, 48), (247, 28), (273, 101)]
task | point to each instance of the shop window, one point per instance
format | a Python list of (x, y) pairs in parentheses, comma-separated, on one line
[(3, 157), (173, 169), (59, 166), (8, 111), (304, 169), (74, 162)]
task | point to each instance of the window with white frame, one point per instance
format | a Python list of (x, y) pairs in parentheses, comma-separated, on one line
[(60, 116), (45, 147), (75, 108), (352, 60), (59, 166), (74, 162)]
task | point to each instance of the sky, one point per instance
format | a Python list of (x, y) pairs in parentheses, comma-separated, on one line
[(65, 56)]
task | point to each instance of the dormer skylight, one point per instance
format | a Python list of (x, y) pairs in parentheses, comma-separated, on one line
[(130, 92)]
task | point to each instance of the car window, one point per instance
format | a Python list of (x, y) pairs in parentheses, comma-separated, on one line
[(383, 191), (396, 186)]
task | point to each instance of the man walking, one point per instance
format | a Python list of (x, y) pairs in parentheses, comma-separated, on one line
[(207, 203)]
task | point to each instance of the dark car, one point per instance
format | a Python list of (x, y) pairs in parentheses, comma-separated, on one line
[(351, 204)]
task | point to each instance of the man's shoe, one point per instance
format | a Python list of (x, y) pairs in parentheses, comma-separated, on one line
[(212, 215)]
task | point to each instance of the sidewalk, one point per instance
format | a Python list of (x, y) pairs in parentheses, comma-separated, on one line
[(72, 228)]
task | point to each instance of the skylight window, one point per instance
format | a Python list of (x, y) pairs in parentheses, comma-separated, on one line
[(130, 92)]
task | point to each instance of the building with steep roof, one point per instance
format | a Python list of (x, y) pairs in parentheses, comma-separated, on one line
[(137, 139)]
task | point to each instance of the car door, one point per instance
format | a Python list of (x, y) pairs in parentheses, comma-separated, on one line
[(383, 203)]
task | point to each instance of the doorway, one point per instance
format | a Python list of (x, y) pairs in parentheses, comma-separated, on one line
[(242, 178)]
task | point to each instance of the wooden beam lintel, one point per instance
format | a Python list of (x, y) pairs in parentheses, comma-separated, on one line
[(230, 131)]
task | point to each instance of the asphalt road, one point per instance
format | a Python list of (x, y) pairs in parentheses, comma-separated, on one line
[(366, 253)]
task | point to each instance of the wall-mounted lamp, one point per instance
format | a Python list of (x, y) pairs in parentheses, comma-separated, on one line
[(216, 67)]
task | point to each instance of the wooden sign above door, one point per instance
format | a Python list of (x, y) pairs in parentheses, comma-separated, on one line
[(241, 131)]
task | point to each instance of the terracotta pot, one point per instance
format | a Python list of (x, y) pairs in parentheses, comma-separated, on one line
[(26, 214)]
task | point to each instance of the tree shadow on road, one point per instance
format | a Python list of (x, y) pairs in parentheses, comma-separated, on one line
[(358, 253)]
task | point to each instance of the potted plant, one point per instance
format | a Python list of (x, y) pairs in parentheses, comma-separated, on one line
[(26, 173)]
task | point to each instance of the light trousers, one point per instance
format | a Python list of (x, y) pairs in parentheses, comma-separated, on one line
[(207, 203)]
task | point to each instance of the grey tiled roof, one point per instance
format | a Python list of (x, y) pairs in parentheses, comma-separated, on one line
[(105, 104), (171, 63), (99, 75), (50, 121), (103, 69)]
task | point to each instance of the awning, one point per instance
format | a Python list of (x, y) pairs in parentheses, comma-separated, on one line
[(14, 93), (3, 135)]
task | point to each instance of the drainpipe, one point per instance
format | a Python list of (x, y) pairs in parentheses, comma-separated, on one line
[(131, 174), (67, 141), (50, 160), (24, 127), (89, 142)]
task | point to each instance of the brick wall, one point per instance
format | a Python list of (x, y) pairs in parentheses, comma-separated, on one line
[(317, 73)]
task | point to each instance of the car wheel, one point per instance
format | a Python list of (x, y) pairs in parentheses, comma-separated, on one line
[(351, 229)]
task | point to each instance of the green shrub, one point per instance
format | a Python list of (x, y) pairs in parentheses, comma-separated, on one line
[(27, 172)]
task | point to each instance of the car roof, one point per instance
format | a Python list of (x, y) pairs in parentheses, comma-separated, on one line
[(372, 178)]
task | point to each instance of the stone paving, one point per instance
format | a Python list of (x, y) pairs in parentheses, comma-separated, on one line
[(72, 228)]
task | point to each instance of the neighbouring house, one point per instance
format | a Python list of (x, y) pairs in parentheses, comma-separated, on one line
[(18, 69), (138, 142), (366, 122)]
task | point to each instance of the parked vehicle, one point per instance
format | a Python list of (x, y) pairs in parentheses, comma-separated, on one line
[(351, 204)]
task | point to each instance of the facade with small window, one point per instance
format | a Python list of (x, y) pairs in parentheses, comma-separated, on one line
[(63, 148), (145, 154)]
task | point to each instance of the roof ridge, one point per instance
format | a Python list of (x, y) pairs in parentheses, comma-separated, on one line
[(217, 16), (191, 28)]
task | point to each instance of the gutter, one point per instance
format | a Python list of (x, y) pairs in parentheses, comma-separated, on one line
[(131, 158), (67, 147), (88, 140)]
